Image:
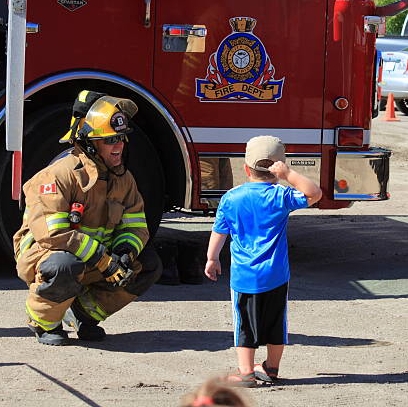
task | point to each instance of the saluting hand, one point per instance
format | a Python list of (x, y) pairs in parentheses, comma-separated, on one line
[(279, 169)]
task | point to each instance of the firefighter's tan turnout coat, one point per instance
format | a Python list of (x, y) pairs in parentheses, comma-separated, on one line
[(113, 216)]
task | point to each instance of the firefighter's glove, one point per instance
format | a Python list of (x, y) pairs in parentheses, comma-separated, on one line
[(115, 272), (127, 259), (126, 252)]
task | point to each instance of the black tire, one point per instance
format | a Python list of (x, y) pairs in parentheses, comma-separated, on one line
[(145, 165), (402, 105), (41, 134), (8, 209)]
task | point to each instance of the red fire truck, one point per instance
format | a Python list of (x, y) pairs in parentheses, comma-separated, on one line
[(207, 76)]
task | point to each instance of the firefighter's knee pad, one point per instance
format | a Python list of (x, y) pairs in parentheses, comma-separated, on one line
[(60, 274), (151, 271)]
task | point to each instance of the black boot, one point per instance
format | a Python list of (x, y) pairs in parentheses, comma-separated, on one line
[(167, 252), (55, 337), (86, 328), (189, 263)]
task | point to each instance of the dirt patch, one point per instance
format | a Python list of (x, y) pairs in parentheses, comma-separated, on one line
[(347, 319)]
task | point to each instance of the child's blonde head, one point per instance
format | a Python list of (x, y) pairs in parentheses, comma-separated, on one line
[(263, 175), (214, 394)]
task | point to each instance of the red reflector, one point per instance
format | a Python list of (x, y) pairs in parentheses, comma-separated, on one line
[(342, 184), (341, 103), (175, 31), (350, 137)]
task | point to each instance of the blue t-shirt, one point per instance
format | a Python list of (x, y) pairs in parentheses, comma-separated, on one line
[(256, 214)]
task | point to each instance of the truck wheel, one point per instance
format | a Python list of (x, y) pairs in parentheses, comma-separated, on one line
[(145, 165), (402, 105), (42, 131), (8, 208)]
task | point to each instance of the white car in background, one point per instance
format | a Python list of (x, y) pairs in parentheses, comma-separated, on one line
[(394, 52), (395, 78)]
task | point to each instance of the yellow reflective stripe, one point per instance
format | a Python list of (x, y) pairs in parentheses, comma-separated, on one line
[(91, 307), (26, 242), (133, 215), (87, 248), (101, 231), (82, 96), (130, 238), (133, 220), (100, 234), (58, 220), (42, 323), (138, 225)]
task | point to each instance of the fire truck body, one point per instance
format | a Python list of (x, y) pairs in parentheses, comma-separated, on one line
[(207, 76)]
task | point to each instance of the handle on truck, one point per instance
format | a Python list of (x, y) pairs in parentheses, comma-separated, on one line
[(147, 21)]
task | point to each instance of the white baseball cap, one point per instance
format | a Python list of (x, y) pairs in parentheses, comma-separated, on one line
[(264, 148)]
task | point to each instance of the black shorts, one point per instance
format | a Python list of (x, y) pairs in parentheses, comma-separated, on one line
[(260, 319)]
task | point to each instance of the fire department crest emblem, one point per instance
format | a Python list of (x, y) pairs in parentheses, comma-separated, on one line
[(240, 70)]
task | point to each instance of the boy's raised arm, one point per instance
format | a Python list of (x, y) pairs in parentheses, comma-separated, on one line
[(300, 182)]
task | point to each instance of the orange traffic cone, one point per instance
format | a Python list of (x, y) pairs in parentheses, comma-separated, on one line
[(390, 110)]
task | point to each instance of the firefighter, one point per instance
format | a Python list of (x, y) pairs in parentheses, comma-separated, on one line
[(82, 246)]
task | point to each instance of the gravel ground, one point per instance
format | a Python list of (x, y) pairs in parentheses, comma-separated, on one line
[(348, 320)]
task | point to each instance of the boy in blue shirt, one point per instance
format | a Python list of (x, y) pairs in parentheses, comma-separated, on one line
[(255, 215)]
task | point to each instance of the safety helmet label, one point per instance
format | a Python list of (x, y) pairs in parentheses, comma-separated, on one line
[(118, 122)]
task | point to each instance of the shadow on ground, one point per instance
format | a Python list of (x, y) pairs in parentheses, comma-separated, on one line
[(333, 257), (176, 340), (343, 378)]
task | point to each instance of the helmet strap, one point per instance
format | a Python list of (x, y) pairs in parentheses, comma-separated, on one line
[(87, 147), (84, 131), (74, 129), (90, 148), (92, 153), (118, 174)]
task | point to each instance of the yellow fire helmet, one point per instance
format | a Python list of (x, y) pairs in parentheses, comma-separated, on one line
[(107, 117)]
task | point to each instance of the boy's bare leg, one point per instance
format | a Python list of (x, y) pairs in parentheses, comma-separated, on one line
[(245, 359), (274, 355)]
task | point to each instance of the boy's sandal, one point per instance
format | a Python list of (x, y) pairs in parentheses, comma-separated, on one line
[(241, 380), (265, 373)]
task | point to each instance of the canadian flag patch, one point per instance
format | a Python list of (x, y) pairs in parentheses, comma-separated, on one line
[(48, 188)]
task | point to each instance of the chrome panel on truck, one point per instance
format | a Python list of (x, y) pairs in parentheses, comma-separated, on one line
[(220, 173), (306, 164), (362, 176)]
